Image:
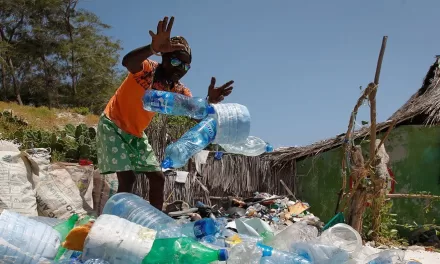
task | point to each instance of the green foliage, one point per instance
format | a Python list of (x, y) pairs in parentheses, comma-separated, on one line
[(81, 110), (388, 225), (69, 144), (54, 54)]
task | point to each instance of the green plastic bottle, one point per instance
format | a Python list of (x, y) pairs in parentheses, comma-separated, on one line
[(183, 250), (64, 229)]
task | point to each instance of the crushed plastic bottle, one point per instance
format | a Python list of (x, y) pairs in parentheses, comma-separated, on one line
[(193, 141), (387, 257), (296, 232), (96, 261), (176, 104), (32, 237), (183, 250), (282, 257), (320, 253), (12, 254), (137, 210), (253, 146), (342, 236)]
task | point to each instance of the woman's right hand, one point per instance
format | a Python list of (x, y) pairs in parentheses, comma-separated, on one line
[(161, 41)]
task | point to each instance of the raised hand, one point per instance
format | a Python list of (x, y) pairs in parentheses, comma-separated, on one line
[(218, 94), (161, 41)]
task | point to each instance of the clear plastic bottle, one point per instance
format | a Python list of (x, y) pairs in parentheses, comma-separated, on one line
[(118, 241), (342, 236), (320, 253), (233, 123), (248, 252), (96, 261), (32, 237), (387, 257), (11, 254), (136, 210), (183, 250), (176, 104), (296, 232), (253, 146), (196, 139), (282, 257)]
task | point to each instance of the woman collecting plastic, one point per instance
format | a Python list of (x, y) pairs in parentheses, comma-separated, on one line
[(122, 144)]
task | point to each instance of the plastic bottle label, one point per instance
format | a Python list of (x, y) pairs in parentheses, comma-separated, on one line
[(162, 101), (209, 128)]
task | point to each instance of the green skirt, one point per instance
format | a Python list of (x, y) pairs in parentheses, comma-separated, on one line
[(120, 151)]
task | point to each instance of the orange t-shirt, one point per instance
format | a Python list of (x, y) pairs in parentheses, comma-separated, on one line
[(125, 108)]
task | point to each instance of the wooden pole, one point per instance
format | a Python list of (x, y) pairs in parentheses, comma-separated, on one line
[(378, 191), (413, 196)]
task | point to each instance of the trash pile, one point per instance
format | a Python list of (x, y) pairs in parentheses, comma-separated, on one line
[(130, 230), (277, 211)]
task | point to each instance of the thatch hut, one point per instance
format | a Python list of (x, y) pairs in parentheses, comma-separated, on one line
[(313, 172)]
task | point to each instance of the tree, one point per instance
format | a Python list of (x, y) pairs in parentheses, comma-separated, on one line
[(53, 54)]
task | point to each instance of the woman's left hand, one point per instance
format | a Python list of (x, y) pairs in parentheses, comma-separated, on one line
[(218, 94)]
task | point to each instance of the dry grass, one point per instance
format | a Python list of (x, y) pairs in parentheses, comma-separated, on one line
[(48, 119)]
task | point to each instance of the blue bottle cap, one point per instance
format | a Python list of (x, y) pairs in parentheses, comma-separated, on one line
[(267, 251), (167, 163), (210, 110), (269, 148), (205, 227), (223, 254)]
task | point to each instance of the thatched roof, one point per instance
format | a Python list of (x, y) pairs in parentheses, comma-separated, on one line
[(425, 103)]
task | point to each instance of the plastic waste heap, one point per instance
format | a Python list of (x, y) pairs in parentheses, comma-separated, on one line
[(137, 210), (250, 252), (193, 141), (253, 146), (176, 104)]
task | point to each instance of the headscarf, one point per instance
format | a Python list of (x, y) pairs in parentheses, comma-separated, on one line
[(182, 40)]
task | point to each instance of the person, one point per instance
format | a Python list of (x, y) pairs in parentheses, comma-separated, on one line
[(122, 144)]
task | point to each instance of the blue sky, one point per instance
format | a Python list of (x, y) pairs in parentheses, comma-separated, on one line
[(297, 65)]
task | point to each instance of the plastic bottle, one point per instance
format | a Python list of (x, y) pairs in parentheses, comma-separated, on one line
[(342, 236), (64, 228), (11, 254), (387, 257), (136, 210), (118, 241), (253, 146), (282, 257), (296, 232), (183, 250), (320, 253), (196, 139), (47, 220), (32, 237), (96, 261), (233, 123), (176, 104)]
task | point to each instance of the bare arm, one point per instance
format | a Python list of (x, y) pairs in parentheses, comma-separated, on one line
[(133, 60)]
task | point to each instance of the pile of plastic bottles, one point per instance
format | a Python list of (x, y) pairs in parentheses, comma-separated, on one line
[(130, 230), (225, 124)]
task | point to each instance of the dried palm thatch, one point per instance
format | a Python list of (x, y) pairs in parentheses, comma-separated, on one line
[(422, 108)]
